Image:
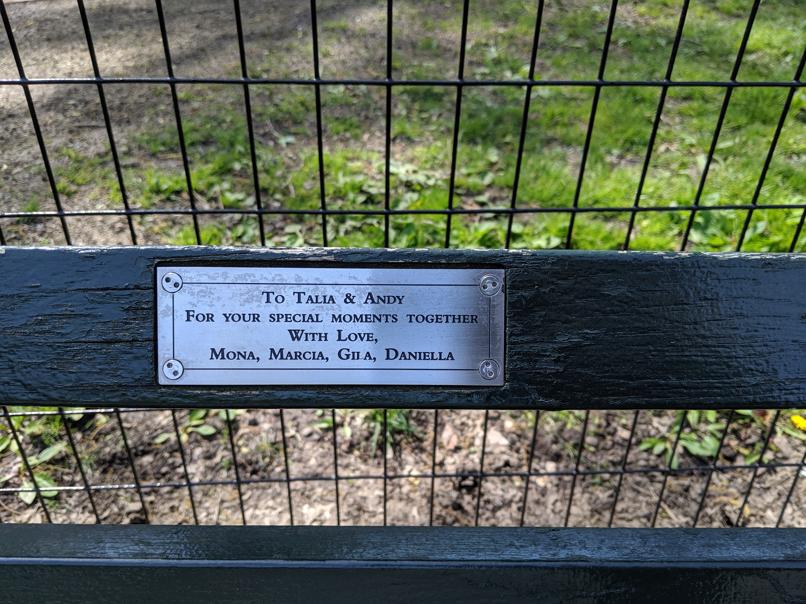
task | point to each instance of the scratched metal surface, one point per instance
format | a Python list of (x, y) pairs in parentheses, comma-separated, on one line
[(323, 326)]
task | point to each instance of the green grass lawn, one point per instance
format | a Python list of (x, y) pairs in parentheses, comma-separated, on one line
[(499, 43)]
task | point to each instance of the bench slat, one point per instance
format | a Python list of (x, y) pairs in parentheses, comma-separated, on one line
[(399, 564), (584, 330)]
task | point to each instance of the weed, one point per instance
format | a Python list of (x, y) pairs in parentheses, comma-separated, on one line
[(46, 435), (199, 422), (700, 440), (399, 425)]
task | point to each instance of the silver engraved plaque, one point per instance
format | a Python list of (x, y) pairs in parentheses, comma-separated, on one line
[(219, 326)]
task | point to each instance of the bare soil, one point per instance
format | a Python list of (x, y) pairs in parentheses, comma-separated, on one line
[(645, 489)]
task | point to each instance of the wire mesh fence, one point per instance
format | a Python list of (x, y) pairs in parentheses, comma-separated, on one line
[(616, 125), (525, 147), (424, 467)]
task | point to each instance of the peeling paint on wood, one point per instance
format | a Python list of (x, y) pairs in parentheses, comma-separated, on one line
[(584, 329)]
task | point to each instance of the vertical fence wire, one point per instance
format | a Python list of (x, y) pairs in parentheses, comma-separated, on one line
[(79, 465), (40, 139), (457, 114), (336, 465), (723, 110), (27, 465), (185, 472), (107, 120), (669, 467), (623, 469), (577, 461), (238, 484), (132, 465), (770, 153), (384, 452), (709, 476), (481, 466), (388, 125), (681, 22), (287, 470), (319, 136), (527, 100), (166, 47), (597, 91), (529, 465), (247, 100), (800, 469), (433, 469), (770, 433), (798, 230)]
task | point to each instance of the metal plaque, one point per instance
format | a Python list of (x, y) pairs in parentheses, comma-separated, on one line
[(222, 326)]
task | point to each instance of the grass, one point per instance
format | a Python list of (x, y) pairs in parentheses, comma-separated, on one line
[(399, 426), (499, 42)]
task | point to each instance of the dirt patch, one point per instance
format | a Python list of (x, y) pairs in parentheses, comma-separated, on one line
[(127, 40), (286, 465)]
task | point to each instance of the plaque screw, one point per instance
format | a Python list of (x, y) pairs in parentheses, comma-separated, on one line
[(171, 282), (489, 369), (490, 285), (173, 369)]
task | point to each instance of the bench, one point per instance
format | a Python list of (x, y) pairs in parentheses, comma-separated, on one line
[(584, 330)]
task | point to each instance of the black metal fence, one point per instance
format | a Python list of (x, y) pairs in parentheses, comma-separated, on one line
[(267, 214), (100, 459), (571, 459)]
